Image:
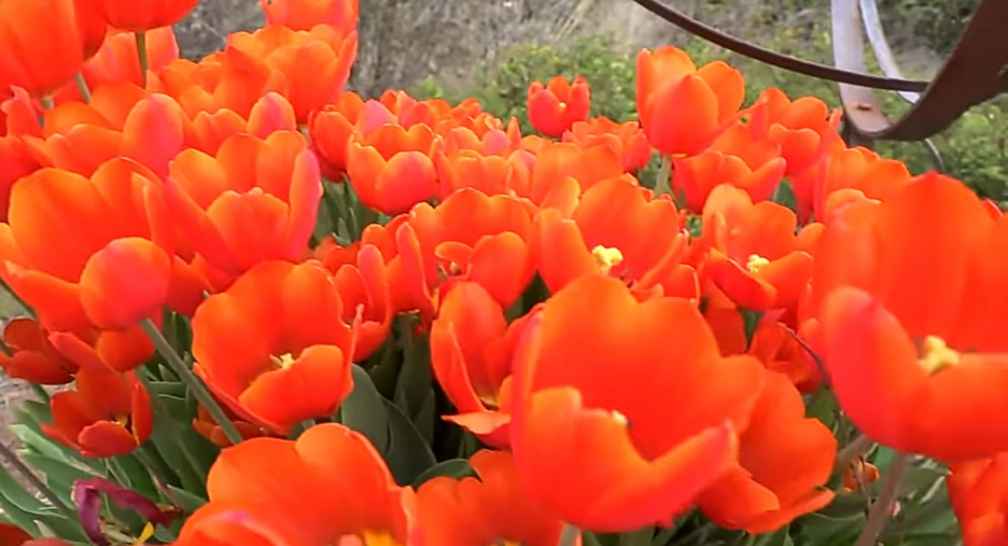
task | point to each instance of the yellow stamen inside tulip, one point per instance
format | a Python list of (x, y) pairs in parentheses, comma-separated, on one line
[(620, 418), (145, 535), (607, 257), (756, 262), (368, 538), (284, 361), (937, 355)]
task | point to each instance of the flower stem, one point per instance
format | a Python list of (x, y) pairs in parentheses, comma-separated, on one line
[(159, 409), (856, 448), (880, 510), (82, 87), (141, 45), (194, 383), (569, 535)]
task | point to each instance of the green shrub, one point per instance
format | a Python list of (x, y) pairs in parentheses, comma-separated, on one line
[(973, 149)]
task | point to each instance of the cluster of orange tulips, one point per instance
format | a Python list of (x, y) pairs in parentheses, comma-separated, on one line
[(295, 316)]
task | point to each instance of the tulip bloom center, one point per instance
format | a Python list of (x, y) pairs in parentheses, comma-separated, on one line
[(937, 355), (756, 262), (607, 257), (367, 538), (284, 361)]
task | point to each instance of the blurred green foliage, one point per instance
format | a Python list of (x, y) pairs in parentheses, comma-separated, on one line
[(974, 149)]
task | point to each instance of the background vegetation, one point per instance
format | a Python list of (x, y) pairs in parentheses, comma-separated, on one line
[(974, 149)]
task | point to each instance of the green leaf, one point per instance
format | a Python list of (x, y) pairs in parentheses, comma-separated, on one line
[(57, 474), (185, 500), (640, 537), (784, 195), (779, 538), (452, 468), (364, 410), (413, 387), (408, 455)]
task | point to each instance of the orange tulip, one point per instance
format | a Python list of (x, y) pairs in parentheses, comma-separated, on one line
[(331, 129), (490, 509), (270, 114), (274, 347), (557, 162), (116, 61), (977, 490), (34, 358), (80, 137), (857, 168), (736, 157), (362, 507), (390, 168), (106, 414), (257, 200), (490, 174), (755, 256), (43, 44), (682, 108), (777, 348), (627, 139), (13, 536), (305, 14), (70, 241), (365, 286), (143, 15), (471, 350), (92, 25), (643, 245), (785, 461), (911, 310), (470, 236), (314, 65), (805, 129), (553, 108), (205, 425), (649, 460)]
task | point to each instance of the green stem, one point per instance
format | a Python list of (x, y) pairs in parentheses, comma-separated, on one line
[(159, 409), (880, 510), (8, 456), (194, 383), (141, 45), (569, 535), (855, 449), (27, 308), (47, 102), (82, 87)]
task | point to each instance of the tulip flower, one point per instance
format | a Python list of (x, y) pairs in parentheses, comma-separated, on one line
[(331, 129), (785, 460), (649, 461), (34, 359), (471, 350), (143, 15), (805, 128), (553, 108), (489, 174), (314, 65), (50, 43), (256, 200), (274, 347), (490, 509), (306, 14), (755, 255), (470, 236), (644, 245), (204, 424), (778, 349), (857, 168), (978, 490), (627, 139), (270, 114), (106, 414), (365, 286), (391, 169), (910, 310), (71, 241), (344, 492), (683, 109), (116, 61), (556, 162)]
